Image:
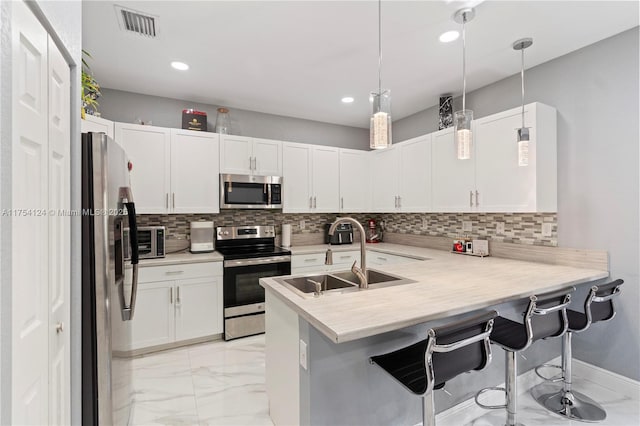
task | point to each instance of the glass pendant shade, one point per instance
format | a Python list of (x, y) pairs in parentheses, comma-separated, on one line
[(462, 132), (380, 128), (523, 147)]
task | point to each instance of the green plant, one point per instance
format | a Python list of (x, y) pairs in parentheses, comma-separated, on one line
[(90, 87)]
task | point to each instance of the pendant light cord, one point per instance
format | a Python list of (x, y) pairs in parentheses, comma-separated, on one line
[(380, 47), (464, 62), (522, 80)]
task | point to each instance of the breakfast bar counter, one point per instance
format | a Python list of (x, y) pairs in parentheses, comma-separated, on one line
[(317, 348)]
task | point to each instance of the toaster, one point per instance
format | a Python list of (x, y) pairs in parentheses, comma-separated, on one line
[(342, 235)]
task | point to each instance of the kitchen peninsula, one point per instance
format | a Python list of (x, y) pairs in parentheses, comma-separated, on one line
[(318, 347)]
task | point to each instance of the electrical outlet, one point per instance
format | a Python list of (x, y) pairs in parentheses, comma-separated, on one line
[(303, 354), (425, 224), (302, 225), (547, 229), (500, 228), (466, 226)]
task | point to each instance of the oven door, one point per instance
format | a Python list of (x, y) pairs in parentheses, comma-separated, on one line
[(243, 295)]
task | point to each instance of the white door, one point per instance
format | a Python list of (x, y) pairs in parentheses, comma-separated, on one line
[(148, 148), (267, 157), (154, 321), (384, 180), (59, 236), (29, 247), (502, 185), (415, 175), (354, 181), (198, 307), (296, 162), (97, 124), (326, 179), (195, 184), (236, 154), (453, 180)]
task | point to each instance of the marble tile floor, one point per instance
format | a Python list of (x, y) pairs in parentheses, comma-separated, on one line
[(223, 383)]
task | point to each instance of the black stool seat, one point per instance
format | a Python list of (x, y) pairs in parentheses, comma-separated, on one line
[(508, 333), (448, 352), (577, 320)]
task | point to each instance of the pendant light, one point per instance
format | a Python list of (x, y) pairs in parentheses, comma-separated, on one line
[(380, 128), (523, 132), (462, 119)]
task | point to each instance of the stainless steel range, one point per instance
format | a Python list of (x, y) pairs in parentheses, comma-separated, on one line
[(249, 254)]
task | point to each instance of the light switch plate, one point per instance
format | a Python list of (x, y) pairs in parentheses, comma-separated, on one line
[(302, 225), (466, 226), (303, 354), (547, 229), (500, 228)]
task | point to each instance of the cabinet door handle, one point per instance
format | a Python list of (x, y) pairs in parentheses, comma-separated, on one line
[(395, 201), (174, 272), (167, 200), (178, 295), (342, 202), (311, 260), (399, 202), (470, 198), (310, 202), (174, 200), (477, 198), (314, 202), (382, 258), (171, 295), (59, 327)]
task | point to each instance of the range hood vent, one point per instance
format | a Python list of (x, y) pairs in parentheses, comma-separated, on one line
[(137, 22)]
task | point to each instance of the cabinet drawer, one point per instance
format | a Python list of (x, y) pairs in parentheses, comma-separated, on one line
[(345, 257), (306, 260), (387, 259), (180, 271)]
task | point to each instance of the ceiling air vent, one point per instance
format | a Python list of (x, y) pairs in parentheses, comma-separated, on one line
[(137, 22)]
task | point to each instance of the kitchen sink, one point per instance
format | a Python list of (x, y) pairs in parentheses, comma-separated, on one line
[(339, 282)]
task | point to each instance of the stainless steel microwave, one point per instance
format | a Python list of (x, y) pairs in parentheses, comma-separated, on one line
[(151, 242), (250, 192)]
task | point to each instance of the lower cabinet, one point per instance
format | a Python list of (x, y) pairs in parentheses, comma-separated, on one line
[(314, 262), (174, 310)]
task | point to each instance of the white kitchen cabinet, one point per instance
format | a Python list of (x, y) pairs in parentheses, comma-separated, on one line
[(250, 156), (195, 315), (504, 186), (154, 317), (174, 171), (492, 181), (195, 184), (177, 303), (401, 177), (311, 178), (453, 180), (384, 180), (149, 150), (91, 123), (314, 262), (355, 189)]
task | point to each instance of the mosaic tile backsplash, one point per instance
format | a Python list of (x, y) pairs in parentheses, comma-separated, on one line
[(519, 228)]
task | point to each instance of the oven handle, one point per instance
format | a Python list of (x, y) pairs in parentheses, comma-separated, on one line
[(256, 261)]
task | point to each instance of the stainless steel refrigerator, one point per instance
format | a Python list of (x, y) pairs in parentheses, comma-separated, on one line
[(108, 293)]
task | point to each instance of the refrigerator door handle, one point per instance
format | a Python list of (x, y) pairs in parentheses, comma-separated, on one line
[(129, 309)]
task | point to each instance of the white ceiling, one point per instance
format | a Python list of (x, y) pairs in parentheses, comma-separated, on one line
[(299, 58)]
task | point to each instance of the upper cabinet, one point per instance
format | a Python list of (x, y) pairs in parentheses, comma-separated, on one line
[(492, 180), (250, 156), (311, 176), (174, 171), (401, 177), (354, 181), (91, 123)]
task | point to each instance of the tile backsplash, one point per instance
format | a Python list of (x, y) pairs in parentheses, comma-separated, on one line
[(519, 228)]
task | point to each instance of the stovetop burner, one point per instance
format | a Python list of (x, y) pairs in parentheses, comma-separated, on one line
[(247, 242), (232, 253)]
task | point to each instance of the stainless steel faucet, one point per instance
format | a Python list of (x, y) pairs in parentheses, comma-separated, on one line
[(361, 272)]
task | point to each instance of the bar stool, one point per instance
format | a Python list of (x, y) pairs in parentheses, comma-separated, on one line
[(545, 316), (449, 351), (598, 306)]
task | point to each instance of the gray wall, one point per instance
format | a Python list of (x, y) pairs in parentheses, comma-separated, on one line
[(63, 21), (595, 90), (128, 107)]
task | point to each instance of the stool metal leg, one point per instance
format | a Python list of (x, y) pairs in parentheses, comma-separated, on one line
[(428, 410), (567, 402), (511, 374)]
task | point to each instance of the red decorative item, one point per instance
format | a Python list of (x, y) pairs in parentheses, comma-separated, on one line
[(129, 165), (373, 234)]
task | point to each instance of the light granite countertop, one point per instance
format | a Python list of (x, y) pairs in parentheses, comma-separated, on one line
[(378, 247), (181, 258), (447, 284)]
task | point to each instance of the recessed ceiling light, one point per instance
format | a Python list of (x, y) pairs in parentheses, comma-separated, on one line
[(179, 65), (347, 99), (449, 36)]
